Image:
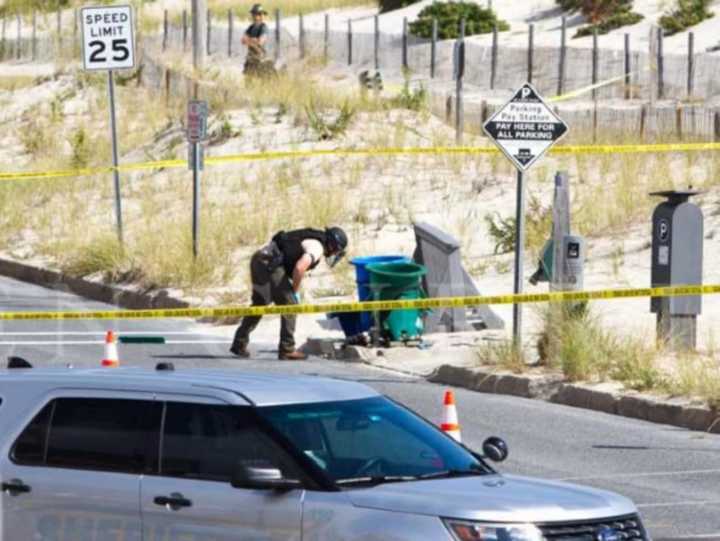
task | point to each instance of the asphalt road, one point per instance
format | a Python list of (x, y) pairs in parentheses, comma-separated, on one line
[(671, 473)]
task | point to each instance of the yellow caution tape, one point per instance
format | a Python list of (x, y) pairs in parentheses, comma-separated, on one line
[(298, 154), (421, 304), (586, 89)]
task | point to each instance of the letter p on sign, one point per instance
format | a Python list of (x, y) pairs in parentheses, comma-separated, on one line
[(108, 38)]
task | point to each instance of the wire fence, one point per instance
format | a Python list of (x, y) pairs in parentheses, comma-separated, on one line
[(647, 93)]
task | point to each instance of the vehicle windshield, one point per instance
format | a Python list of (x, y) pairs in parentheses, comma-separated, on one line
[(371, 440)]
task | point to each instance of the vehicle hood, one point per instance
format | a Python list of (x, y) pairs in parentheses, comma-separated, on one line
[(502, 498)]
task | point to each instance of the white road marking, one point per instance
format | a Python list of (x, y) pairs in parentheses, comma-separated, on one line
[(96, 342), (683, 504), (714, 536), (98, 333), (647, 474)]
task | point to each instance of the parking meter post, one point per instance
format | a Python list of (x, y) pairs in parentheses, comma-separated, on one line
[(116, 173), (677, 260), (519, 251), (561, 227)]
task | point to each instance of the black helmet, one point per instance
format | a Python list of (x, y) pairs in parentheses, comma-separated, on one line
[(257, 9), (337, 240), (336, 243)]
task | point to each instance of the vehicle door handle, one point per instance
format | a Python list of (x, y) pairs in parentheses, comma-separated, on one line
[(173, 502), (15, 487)]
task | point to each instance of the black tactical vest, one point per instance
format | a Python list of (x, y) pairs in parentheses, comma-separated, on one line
[(290, 244)]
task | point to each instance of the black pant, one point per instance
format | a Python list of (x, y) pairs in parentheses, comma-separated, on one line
[(269, 286)]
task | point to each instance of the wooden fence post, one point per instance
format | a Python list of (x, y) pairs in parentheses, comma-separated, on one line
[(165, 30), (185, 29), (350, 41), (326, 37), (494, 58), (531, 53), (301, 36), (405, 43), (3, 36), (376, 42), (595, 59), (691, 65), (563, 57), (18, 48), (231, 31), (660, 65), (433, 47), (58, 16), (209, 32), (628, 69), (716, 125), (277, 33)]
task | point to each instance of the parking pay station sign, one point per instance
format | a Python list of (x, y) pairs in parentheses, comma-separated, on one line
[(525, 128), (108, 38)]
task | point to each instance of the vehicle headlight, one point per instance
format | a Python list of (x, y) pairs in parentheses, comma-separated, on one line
[(463, 530)]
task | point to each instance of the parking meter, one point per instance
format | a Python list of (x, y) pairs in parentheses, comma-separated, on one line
[(573, 271), (677, 260)]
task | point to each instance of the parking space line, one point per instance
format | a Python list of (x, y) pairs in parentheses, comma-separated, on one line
[(634, 475)]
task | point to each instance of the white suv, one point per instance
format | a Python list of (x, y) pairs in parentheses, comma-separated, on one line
[(163, 455)]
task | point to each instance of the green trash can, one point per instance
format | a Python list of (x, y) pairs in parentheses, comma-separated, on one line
[(394, 281)]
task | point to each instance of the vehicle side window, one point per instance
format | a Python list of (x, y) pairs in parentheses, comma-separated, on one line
[(105, 434), (208, 442), (29, 448)]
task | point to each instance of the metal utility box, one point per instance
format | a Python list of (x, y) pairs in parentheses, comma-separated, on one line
[(677, 259)]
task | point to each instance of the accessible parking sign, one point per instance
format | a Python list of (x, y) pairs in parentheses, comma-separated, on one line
[(108, 38)]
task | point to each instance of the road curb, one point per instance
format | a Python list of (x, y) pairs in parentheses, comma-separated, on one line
[(110, 294), (552, 389)]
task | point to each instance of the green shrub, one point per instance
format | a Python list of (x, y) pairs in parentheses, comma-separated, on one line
[(478, 20), (390, 5), (688, 13), (327, 128), (618, 20), (603, 15)]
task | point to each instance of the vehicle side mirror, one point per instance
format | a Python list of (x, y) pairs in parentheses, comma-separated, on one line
[(495, 449), (264, 477)]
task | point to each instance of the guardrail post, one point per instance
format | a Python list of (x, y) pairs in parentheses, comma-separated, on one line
[(563, 57)]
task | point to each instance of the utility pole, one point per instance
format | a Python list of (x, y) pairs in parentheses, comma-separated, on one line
[(199, 35)]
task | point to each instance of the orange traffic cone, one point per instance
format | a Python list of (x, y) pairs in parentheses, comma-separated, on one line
[(450, 424), (111, 359)]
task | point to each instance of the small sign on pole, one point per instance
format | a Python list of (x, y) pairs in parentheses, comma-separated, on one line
[(109, 44), (523, 129), (197, 119)]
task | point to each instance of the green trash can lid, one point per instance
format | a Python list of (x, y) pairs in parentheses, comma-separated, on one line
[(398, 269)]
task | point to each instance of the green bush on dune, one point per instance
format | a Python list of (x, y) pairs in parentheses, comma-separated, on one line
[(687, 13), (603, 15), (478, 20)]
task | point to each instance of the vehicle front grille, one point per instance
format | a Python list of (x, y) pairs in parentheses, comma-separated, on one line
[(628, 528)]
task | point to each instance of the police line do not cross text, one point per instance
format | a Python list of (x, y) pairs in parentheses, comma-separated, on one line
[(108, 40)]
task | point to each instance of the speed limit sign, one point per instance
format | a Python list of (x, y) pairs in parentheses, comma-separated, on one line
[(108, 40)]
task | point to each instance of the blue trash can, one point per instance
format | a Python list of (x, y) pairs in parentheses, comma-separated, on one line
[(362, 278)]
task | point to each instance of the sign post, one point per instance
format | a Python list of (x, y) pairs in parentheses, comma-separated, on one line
[(197, 116), (523, 129), (109, 44)]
